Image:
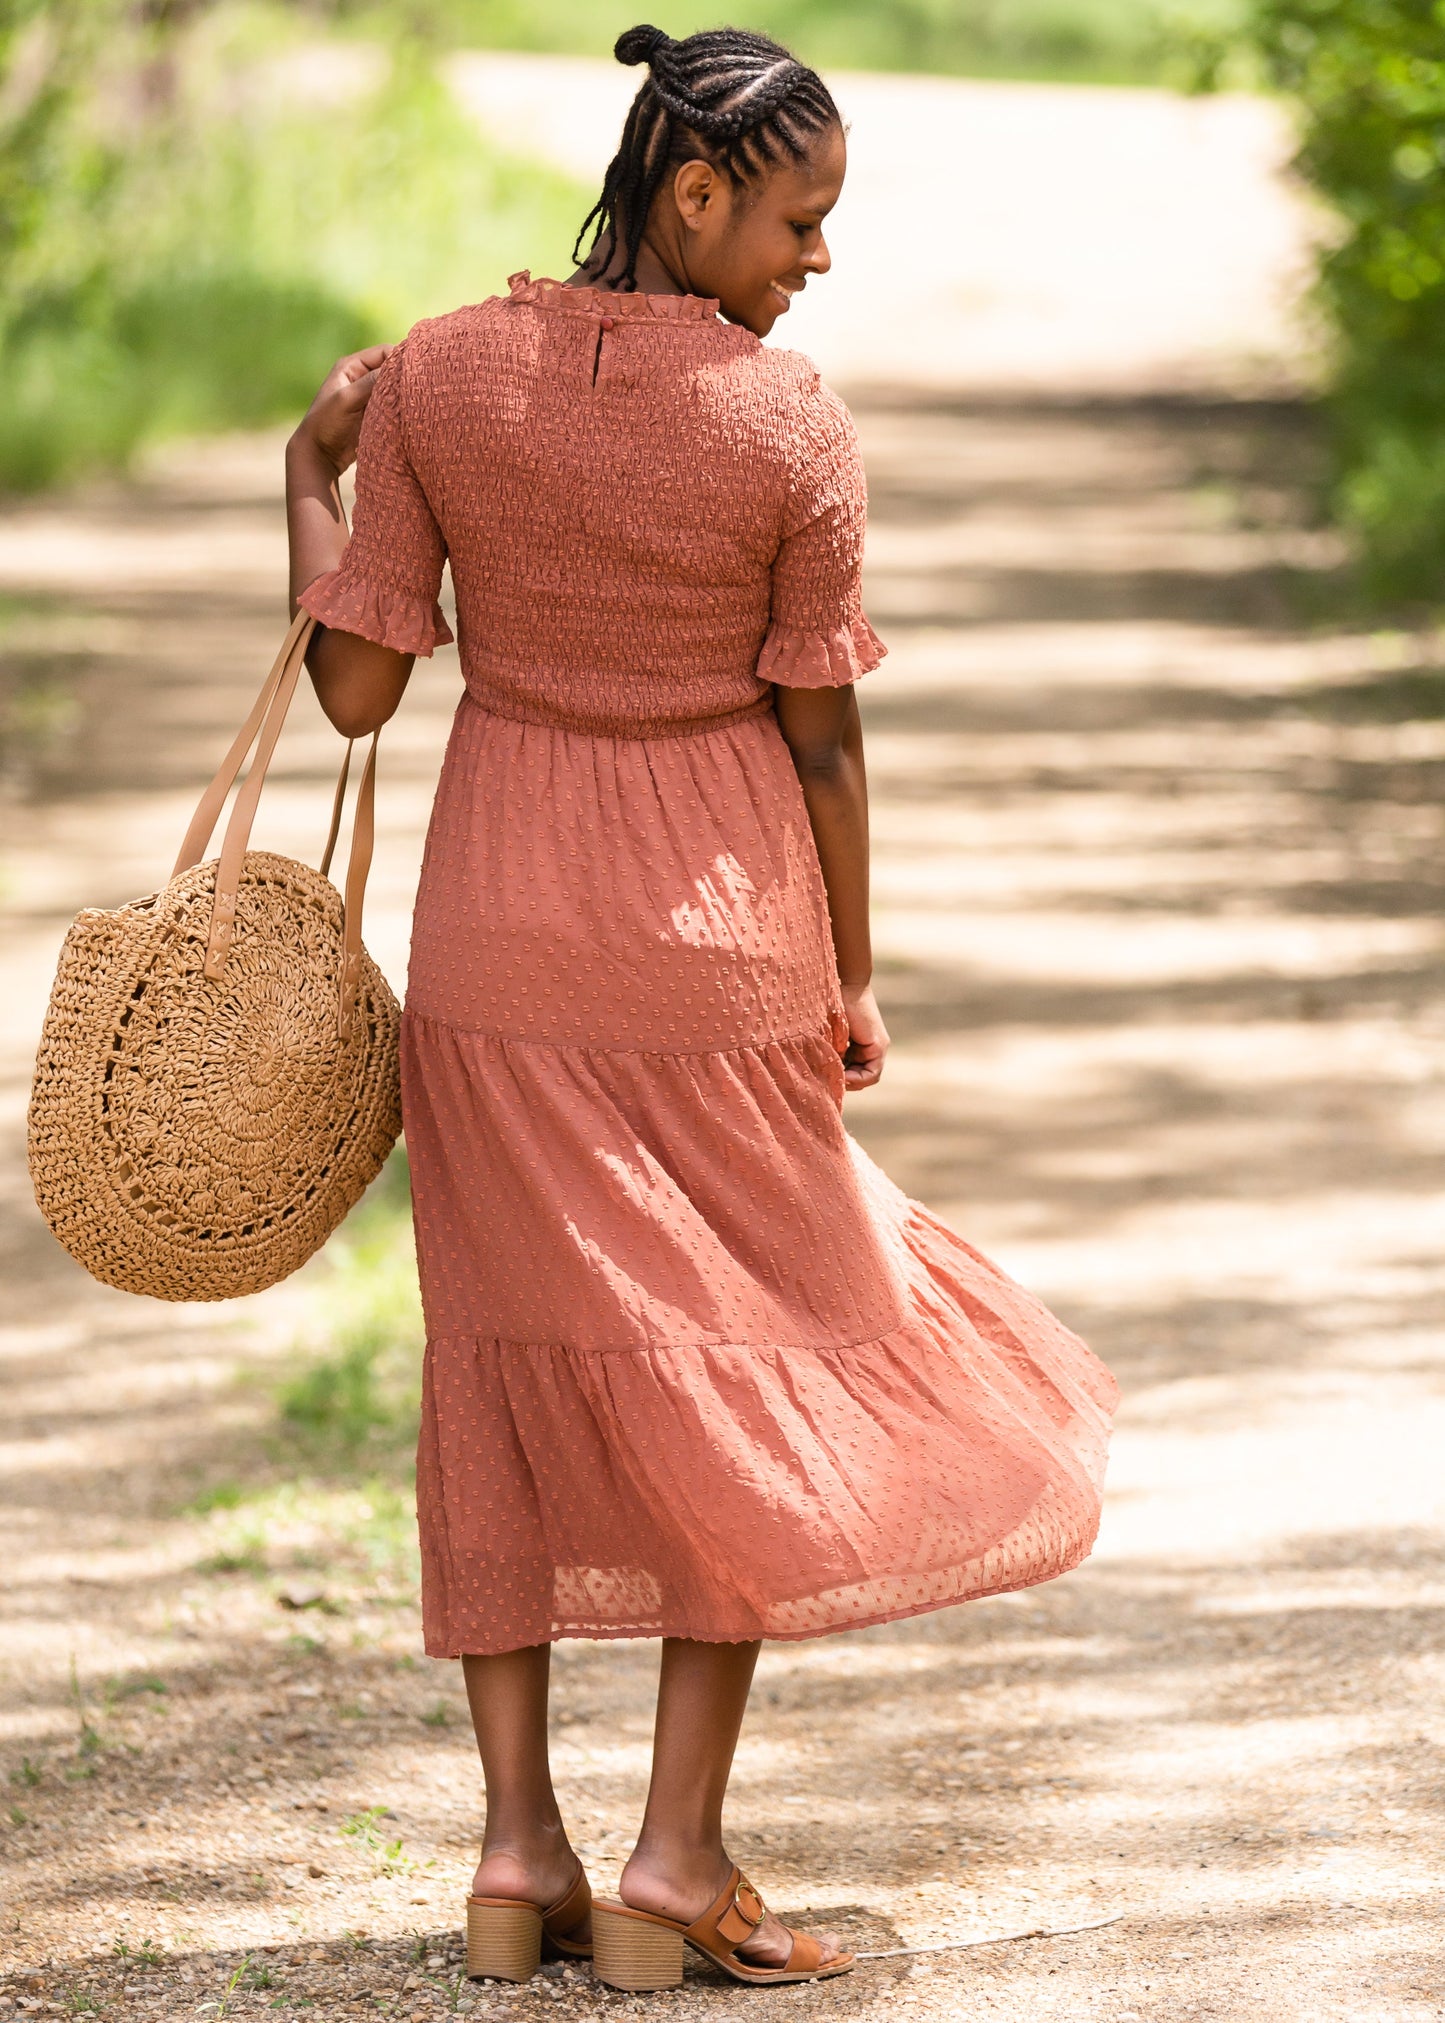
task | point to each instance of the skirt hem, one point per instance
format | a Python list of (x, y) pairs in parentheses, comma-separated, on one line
[(438, 1648)]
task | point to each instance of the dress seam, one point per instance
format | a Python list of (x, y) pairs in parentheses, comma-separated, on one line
[(582, 1047), (647, 731), (479, 1335)]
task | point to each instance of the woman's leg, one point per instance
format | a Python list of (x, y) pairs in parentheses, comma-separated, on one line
[(679, 1863), (525, 1851), (702, 1693)]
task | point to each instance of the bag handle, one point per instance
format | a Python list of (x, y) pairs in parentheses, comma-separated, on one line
[(262, 728), (208, 808), (338, 800), (358, 864)]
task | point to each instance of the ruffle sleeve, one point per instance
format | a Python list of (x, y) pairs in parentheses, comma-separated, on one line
[(400, 619), (798, 659), (818, 636), (386, 586)]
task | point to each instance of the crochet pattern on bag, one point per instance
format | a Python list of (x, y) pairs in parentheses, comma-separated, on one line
[(200, 1138)]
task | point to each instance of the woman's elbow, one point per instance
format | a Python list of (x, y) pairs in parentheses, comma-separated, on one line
[(354, 716), (820, 761), (820, 728), (357, 683)]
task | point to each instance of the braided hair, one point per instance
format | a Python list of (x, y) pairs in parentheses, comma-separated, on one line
[(726, 96)]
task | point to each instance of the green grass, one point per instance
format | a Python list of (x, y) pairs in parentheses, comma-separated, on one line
[(130, 1689), (330, 1493), (389, 1851), (144, 1953), (360, 1534), (355, 1397)]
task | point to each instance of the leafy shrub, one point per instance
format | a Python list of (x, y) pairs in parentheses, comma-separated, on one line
[(1369, 76), (96, 370), (194, 258)]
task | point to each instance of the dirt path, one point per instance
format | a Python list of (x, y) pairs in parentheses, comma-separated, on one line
[(1160, 870)]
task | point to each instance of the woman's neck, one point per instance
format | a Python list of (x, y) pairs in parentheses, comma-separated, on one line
[(654, 274)]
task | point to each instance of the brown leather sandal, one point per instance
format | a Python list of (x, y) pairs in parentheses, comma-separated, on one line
[(505, 1934), (640, 1952)]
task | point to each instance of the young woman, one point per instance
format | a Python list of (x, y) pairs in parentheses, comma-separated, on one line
[(695, 1368)]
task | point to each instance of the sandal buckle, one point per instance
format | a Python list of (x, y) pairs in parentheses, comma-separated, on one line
[(747, 1910)]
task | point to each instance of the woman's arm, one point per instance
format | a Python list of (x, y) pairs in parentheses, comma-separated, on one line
[(823, 733), (359, 684)]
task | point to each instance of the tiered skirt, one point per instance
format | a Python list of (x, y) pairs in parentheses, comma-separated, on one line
[(695, 1367)]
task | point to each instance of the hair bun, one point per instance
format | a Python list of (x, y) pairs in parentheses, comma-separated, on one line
[(640, 44)]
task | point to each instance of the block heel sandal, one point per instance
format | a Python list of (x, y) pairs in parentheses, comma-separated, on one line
[(641, 1952), (506, 1935)]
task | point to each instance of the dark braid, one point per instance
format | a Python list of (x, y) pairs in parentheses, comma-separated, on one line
[(735, 99)]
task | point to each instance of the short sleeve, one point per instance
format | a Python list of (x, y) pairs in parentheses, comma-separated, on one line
[(386, 587), (818, 636)]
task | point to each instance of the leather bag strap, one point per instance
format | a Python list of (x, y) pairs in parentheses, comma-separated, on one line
[(337, 802), (262, 729), (243, 814), (363, 835), (208, 808)]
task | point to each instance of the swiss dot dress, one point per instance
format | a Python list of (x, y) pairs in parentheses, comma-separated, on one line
[(695, 1367)]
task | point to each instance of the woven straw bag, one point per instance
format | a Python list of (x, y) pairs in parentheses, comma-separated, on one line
[(217, 1080)]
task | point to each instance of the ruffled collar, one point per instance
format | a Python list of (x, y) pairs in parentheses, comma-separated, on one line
[(607, 302)]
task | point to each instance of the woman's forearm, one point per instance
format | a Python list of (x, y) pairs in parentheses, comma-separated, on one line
[(358, 683), (315, 521), (835, 790), (838, 812)]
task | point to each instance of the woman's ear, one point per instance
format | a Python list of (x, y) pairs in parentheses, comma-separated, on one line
[(697, 192)]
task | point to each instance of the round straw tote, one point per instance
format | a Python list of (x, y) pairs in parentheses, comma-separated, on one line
[(217, 1080)]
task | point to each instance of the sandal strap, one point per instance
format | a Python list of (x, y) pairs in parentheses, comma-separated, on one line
[(732, 1918), (806, 1956), (570, 1908)]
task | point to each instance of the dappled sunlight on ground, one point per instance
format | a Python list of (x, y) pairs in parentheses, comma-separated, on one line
[(1160, 860)]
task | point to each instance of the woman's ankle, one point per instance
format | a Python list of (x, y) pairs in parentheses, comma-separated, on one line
[(525, 1860), (675, 1875)]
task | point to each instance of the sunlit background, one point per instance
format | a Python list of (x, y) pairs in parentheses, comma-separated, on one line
[(1141, 309)]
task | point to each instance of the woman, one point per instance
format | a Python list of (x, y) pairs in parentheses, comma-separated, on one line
[(695, 1368)]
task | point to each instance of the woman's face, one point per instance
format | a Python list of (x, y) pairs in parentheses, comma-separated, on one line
[(754, 245)]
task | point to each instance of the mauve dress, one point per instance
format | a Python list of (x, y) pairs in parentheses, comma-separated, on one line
[(695, 1366)]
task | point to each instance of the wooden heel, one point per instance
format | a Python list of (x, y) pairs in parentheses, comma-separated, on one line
[(637, 1954), (504, 1940)]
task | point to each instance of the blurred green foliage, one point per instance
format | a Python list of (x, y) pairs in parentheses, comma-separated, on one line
[(1369, 77), (1113, 41), (190, 230), (187, 238)]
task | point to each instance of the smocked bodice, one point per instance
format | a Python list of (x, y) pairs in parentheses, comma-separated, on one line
[(649, 515)]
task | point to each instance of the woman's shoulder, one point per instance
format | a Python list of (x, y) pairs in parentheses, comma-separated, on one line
[(794, 411), (786, 377), (786, 399), (429, 342)]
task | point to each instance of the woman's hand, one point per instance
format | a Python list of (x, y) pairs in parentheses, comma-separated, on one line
[(332, 423), (868, 1040)]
